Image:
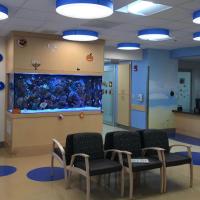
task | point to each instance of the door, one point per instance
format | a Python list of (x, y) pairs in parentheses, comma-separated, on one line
[(140, 88), (123, 97), (108, 94), (184, 88)]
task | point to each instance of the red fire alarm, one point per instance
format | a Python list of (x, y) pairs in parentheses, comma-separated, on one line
[(135, 68)]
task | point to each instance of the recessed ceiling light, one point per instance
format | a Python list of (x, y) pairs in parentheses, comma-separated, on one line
[(196, 36), (3, 12), (80, 35), (196, 17), (155, 34), (144, 8), (128, 46), (85, 9)]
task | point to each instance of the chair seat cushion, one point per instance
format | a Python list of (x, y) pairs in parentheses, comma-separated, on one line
[(173, 159), (100, 166), (141, 166)]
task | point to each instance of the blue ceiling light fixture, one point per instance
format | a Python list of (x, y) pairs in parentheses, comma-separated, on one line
[(128, 46), (85, 9), (154, 34), (196, 17), (3, 12), (196, 36), (80, 35)]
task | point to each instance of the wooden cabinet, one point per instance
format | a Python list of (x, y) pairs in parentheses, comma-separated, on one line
[(54, 55), (33, 133)]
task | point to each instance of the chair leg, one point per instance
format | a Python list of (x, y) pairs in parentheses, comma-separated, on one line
[(131, 184), (191, 175), (52, 165), (66, 176), (122, 183), (165, 179), (161, 180), (88, 187), (68, 180)]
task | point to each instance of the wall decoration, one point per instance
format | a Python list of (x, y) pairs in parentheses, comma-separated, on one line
[(36, 64), (22, 43), (90, 57), (2, 85), (81, 115), (1, 57)]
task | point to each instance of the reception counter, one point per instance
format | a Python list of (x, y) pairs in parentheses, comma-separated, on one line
[(187, 123)]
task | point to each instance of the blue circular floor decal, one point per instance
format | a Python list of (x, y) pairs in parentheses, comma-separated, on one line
[(44, 174), (195, 157), (6, 170)]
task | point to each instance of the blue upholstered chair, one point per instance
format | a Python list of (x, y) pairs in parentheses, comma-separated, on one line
[(130, 145), (158, 138), (84, 154)]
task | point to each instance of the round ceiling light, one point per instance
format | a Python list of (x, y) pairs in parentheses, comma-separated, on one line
[(85, 9), (128, 46), (196, 17), (155, 34), (3, 12), (196, 36), (80, 35)]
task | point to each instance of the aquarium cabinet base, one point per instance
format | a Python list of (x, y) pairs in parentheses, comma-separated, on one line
[(29, 134)]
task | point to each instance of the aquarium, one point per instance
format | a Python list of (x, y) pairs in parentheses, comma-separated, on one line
[(38, 93)]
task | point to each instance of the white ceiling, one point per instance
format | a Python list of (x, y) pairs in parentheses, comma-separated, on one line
[(40, 16)]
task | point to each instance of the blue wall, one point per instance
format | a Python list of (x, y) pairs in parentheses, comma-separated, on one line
[(163, 76), (163, 79), (139, 86)]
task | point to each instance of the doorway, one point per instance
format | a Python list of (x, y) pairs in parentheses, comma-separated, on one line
[(116, 94), (108, 99)]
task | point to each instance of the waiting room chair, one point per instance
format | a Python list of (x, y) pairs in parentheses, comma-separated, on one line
[(129, 143), (158, 138), (84, 154)]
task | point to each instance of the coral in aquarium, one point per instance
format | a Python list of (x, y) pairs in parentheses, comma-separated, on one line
[(44, 92)]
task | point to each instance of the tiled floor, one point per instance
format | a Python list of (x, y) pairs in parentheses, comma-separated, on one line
[(19, 187)]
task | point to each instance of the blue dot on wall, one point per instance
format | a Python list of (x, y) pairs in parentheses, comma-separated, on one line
[(2, 85), (6, 170), (44, 174), (1, 57)]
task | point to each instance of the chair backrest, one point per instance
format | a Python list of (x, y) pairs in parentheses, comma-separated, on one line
[(124, 140), (88, 143), (155, 138)]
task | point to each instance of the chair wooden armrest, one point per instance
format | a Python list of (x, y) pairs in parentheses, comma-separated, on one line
[(60, 148), (160, 152)]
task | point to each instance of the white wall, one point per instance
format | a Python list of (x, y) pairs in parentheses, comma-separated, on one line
[(2, 93)]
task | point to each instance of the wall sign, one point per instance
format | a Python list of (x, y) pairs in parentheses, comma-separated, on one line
[(22, 43), (2, 85), (1, 57)]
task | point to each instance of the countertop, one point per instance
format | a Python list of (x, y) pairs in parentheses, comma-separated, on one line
[(186, 112)]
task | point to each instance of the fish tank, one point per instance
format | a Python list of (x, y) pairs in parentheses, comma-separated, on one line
[(43, 93)]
